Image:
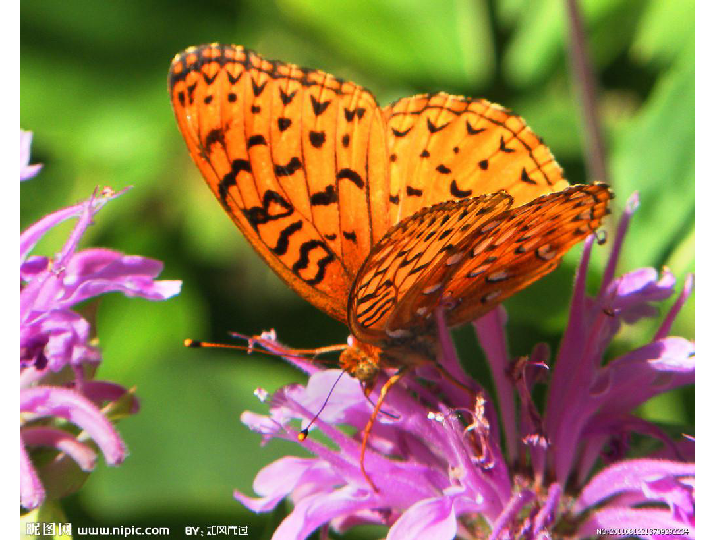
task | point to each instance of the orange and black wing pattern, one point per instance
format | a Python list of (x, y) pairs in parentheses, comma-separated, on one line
[(297, 158), (469, 255), (444, 147)]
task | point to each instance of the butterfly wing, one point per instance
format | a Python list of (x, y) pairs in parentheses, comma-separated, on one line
[(499, 255), (297, 158), (444, 147), (406, 254)]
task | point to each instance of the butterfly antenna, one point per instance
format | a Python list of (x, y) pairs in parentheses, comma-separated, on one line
[(193, 344), (305, 431)]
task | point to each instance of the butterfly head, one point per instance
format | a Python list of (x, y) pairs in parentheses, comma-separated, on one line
[(361, 361)]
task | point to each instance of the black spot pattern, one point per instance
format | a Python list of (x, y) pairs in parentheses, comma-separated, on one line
[(289, 169), (318, 106), (317, 138), (285, 97), (274, 206), (324, 198), (284, 239), (349, 174), (256, 140), (284, 123), (258, 89), (455, 191)]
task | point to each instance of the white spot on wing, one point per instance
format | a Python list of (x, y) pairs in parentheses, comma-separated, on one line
[(498, 276), (546, 252), (490, 225), (432, 288), (454, 259)]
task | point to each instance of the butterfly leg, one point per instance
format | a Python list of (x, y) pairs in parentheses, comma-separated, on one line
[(445, 373), (368, 427)]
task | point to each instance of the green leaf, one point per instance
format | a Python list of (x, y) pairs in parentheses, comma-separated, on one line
[(655, 155), (441, 43), (539, 46), (667, 30)]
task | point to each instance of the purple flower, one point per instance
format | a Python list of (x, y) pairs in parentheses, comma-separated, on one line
[(444, 474), (58, 356)]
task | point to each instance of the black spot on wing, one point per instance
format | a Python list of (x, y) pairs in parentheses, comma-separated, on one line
[(304, 260), (471, 130), (288, 169), (317, 138), (285, 97), (432, 128), (318, 106), (350, 114), (284, 239), (349, 174), (256, 88), (214, 136), (284, 123), (191, 93), (504, 148), (230, 179), (324, 198), (274, 206), (256, 140), (455, 191)]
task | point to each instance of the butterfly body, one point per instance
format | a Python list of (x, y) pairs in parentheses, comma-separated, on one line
[(378, 216)]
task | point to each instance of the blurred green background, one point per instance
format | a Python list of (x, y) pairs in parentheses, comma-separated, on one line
[(93, 90)]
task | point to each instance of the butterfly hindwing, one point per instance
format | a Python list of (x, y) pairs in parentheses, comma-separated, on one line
[(502, 251), (407, 254)]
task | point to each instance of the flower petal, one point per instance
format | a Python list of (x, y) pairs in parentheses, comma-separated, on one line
[(62, 441), (315, 510), (32, 493), (281, 477), (65, 403), (629, 475), (429, 519), (32, 235)]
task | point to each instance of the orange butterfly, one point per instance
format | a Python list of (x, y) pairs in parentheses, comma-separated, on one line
[(378, 216)]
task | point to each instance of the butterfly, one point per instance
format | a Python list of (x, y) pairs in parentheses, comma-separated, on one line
[(378, 216)]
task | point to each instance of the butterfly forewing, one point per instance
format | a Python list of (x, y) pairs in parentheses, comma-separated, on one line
[(502, 251), (297, 158), (444, 147)]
